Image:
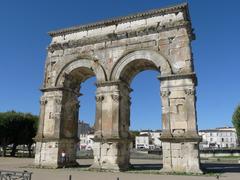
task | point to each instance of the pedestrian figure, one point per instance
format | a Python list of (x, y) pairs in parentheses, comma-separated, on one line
[(63, 158)]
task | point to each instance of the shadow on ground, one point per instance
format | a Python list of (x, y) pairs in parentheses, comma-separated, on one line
[(143, 167), (220, 168), (207, 167)]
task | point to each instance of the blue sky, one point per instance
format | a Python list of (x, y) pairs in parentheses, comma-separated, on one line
[(24, 26)]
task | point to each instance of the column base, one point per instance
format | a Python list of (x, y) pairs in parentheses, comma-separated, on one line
[(181, 157), (111, 156), (48, 153)]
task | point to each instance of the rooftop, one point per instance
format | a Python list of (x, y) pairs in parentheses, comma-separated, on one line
[(217, 130), (114, 21)]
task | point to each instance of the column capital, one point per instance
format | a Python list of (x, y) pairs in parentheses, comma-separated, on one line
[(116, 97), (43, 101), (60, 88), (165, 93), (189, 91), (99, 98)]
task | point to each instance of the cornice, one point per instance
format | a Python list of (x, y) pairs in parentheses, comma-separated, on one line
[(180, 76), (114, 21), (188, 136), (118, 36), (59, 88)]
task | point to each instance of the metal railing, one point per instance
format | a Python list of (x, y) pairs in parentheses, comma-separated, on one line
[(15, 175)]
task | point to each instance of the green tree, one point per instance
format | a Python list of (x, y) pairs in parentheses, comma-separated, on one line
[(4, 138), (236, 121), (17, 129), (133, 136)]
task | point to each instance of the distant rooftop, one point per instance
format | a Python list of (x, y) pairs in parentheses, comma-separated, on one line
[(225, 129), (149, 130)]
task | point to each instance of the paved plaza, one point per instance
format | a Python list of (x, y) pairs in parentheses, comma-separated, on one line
[(142, 172)]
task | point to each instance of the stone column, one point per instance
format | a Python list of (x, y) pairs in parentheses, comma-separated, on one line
[(180, 137), (55, 134), (166, 128), (111, 149)]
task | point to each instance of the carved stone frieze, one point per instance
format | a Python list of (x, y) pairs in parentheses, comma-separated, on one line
[(114, 36), (116, 97), (43, 101), (99, 98), (165, 93), (189, 92), (58, 101)]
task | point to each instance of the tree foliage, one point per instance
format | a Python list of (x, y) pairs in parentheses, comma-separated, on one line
[(236, 120), (134, 133), (17, 129), (133, 136)]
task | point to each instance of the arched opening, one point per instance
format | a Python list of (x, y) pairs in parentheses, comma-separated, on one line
[(86, 121), (125, 70), (145, 121), (71, 81), (74, 125), (145, 113)]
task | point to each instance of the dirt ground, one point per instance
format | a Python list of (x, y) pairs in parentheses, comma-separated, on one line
[(143, 170)]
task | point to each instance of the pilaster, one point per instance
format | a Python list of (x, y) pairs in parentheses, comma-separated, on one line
[(57, 130), (180, 137), (111, 149)]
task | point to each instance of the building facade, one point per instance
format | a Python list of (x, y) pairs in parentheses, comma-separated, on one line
[(85, 134), (148, 140), (225, 137), (83, 128), (142, 141), (86, 142)]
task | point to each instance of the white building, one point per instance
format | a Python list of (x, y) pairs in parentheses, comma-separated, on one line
[(86, 142), (85, 134), (83, 128), (148, 140), (142, 141), (225, 137)]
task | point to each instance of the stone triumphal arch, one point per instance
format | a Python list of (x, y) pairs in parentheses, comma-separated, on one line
[(114, 51)]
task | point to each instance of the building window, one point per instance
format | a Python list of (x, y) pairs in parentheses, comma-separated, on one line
[(222, 139)]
